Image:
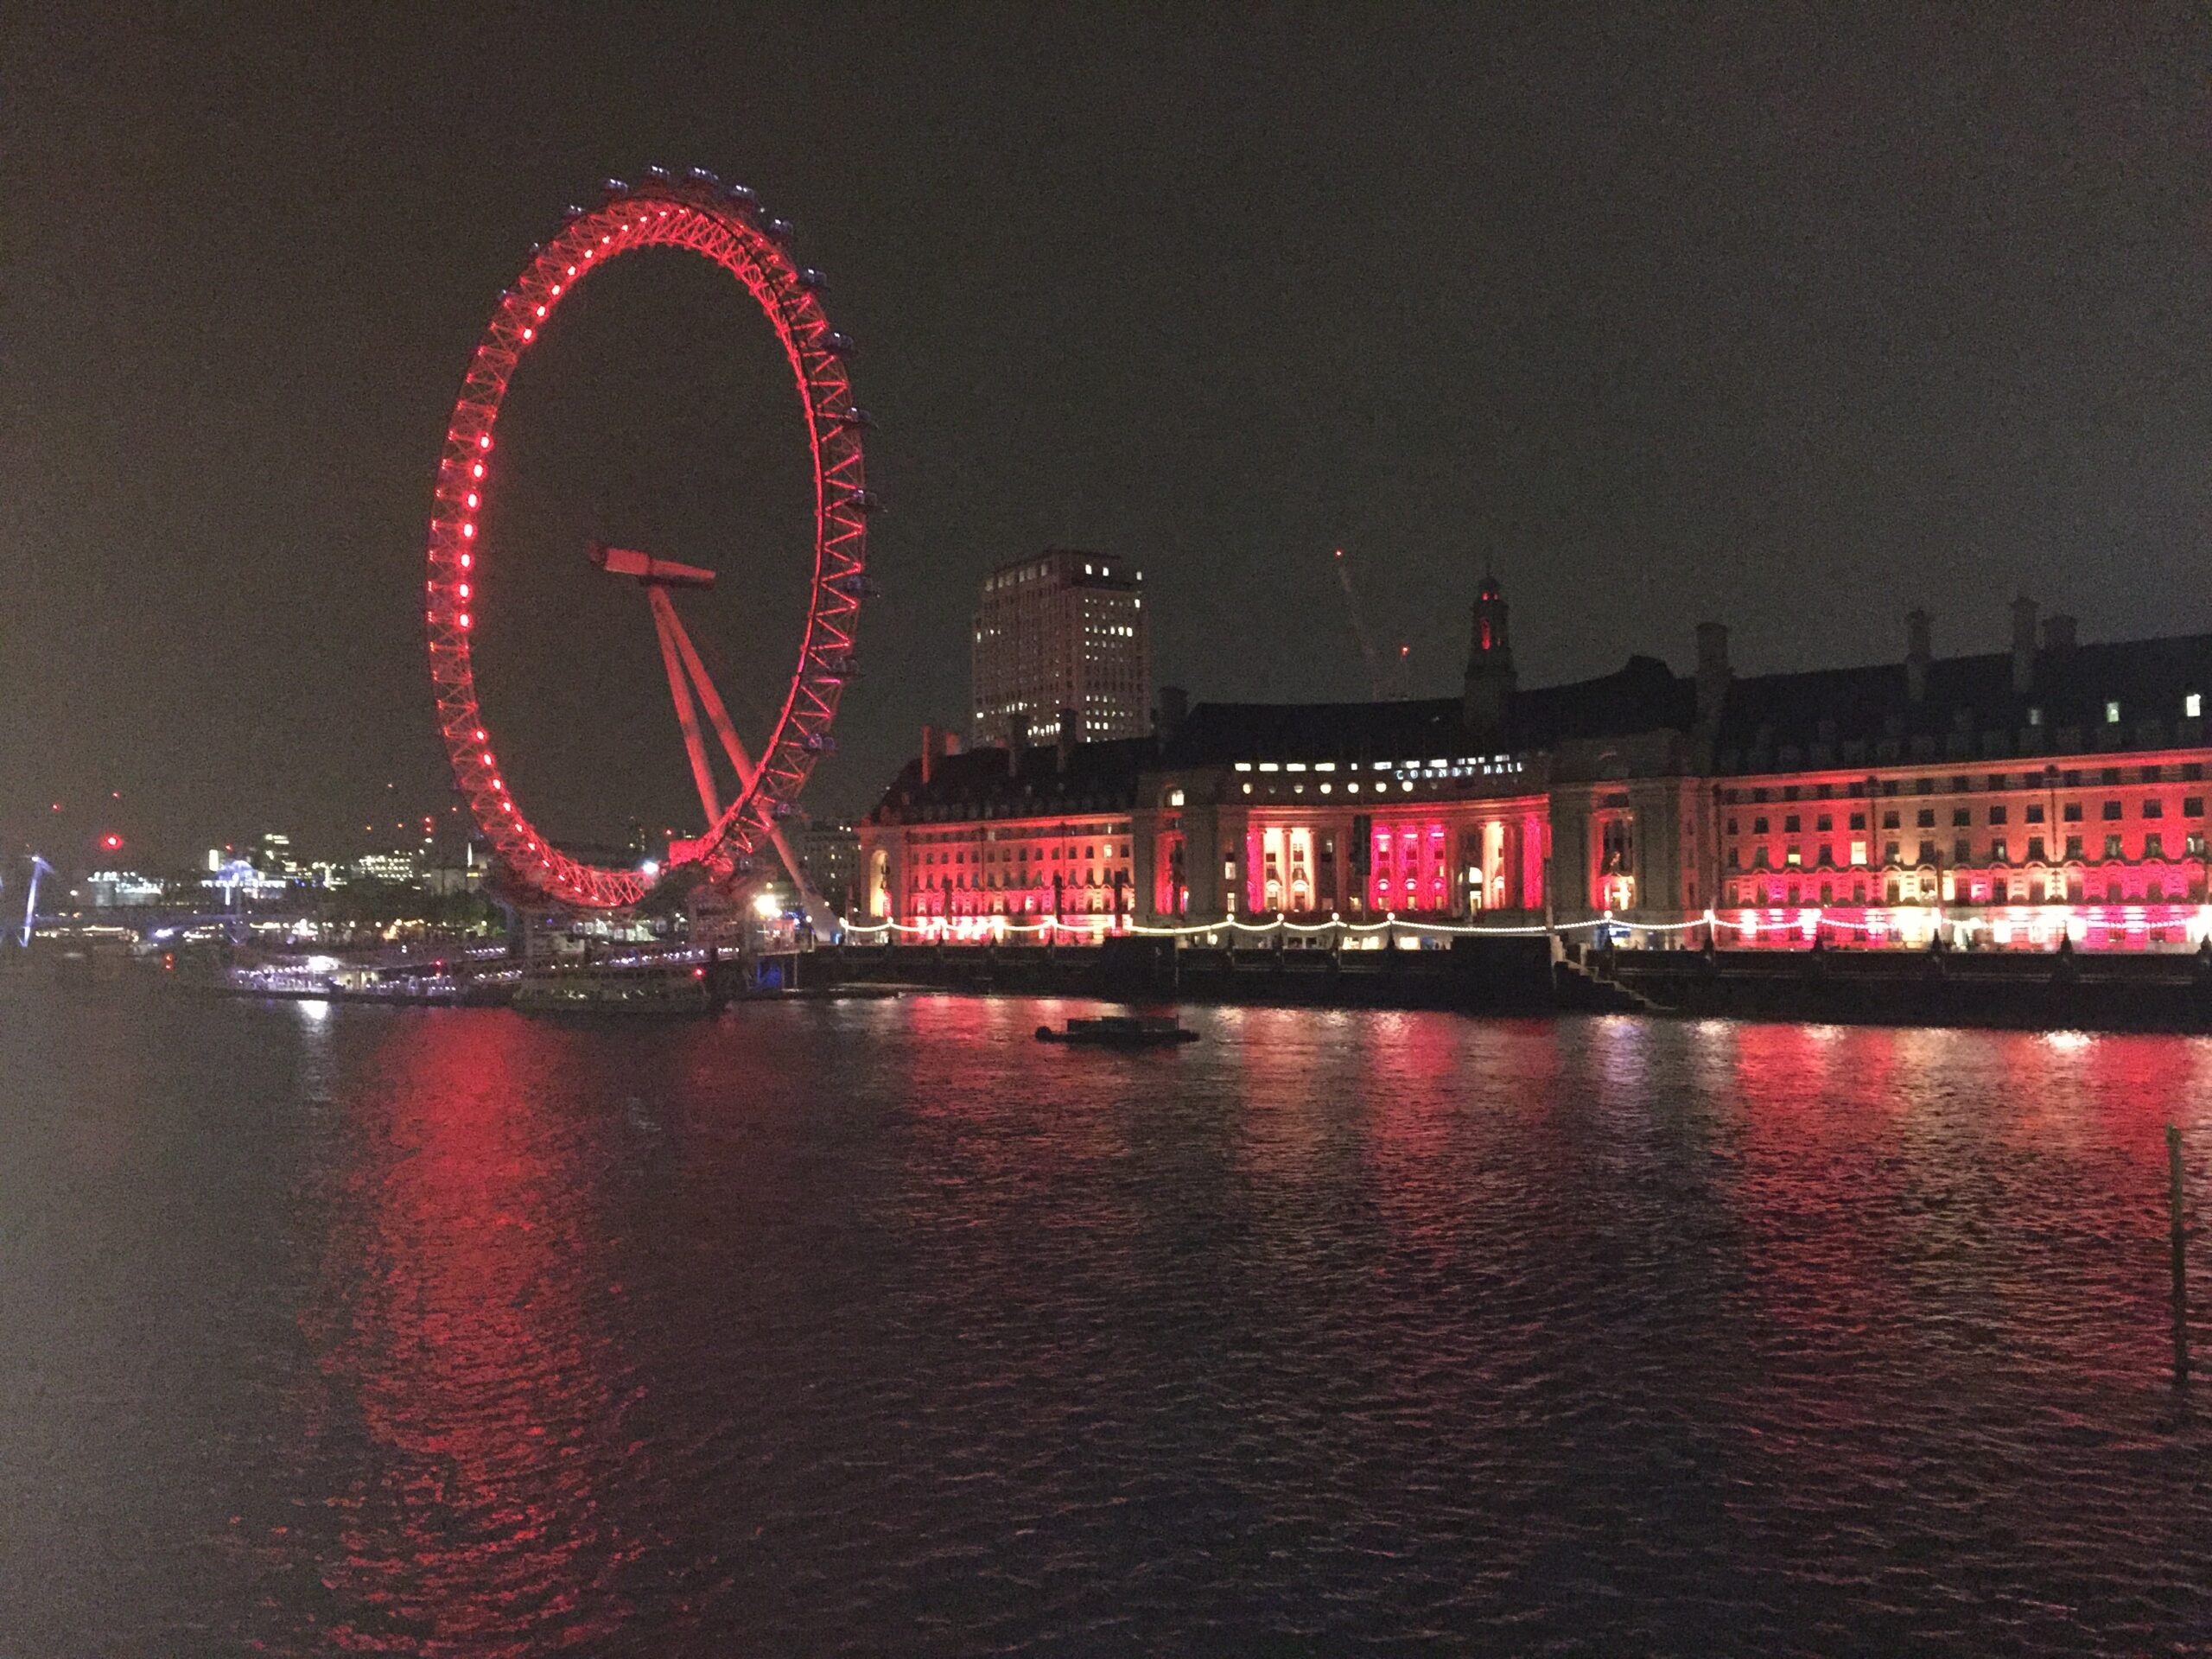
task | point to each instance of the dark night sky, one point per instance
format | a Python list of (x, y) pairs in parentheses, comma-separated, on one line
[(1775, 314)]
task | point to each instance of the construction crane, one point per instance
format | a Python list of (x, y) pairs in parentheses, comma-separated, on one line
[(1359, 629), (1385, 681)]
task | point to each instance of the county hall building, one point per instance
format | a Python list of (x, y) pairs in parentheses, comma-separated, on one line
[(2053, 792)]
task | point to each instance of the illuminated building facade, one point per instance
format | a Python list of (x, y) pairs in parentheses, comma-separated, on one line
[(2056, 793), (2053, 792), (1065, 631)]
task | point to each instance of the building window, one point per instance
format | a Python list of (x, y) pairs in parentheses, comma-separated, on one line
[(2154, 809), (1859, 820), (2034, 715), (2111, 711), (1889, 852), (2035, 812), (2034, 849), (1960, 852), (1824, 824), (1789, 824), (1759, 826), (2071, 812), (2111, 847), (2192, 806), (1888, 820), (2192, 707), (2154, 845), (1925, 818), (1997, 850), (1858, 852), (2073, 846), (1996, 815), (1961, 817), (2109, 810)]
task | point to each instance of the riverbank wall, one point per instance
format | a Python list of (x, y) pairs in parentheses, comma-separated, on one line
[(2146, 992)]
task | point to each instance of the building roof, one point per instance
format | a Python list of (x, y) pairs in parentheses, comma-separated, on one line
[(1098, 777), (1643, 694), (1856, 715)]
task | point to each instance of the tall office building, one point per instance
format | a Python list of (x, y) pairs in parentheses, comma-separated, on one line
[(1063, 630)]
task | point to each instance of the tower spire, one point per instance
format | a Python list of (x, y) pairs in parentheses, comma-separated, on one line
[(1489, 680)]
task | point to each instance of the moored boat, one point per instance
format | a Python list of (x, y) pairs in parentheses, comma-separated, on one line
[(1122, 1030), (648, 988)]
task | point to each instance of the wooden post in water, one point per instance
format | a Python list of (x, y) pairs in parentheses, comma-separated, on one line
[(2180, 1241)]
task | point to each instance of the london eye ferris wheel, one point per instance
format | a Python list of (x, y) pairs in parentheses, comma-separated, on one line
[(724, 225)]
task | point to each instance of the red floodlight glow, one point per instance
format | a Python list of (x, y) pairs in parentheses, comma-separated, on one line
[(112, 841)]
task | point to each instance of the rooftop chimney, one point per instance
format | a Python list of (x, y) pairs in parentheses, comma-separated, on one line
[(1712, 671), (1174, 710), (1063, 745), (2058, 633), (1917, 650), (2024, 645)]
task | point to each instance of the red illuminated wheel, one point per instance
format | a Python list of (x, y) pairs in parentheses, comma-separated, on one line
[(723, 225)]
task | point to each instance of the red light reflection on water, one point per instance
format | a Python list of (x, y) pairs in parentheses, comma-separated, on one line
[(463, 1337), (1956, 1202)]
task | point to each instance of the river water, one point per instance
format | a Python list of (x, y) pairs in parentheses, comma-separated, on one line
[(879, 1328)]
